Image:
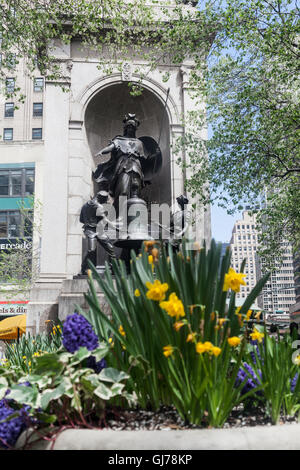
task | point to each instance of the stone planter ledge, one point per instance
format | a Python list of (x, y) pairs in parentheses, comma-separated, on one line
[(281, 437)]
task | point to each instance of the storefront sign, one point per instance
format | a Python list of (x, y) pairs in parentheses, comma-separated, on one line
[(15, 243), (10, 308)]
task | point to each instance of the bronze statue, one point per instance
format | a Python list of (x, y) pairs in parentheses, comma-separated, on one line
[(94, 219), (132, 165)]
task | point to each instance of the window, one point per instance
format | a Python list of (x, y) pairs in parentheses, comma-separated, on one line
[(8, 134), (14, 225), (37, 109), (17, 182), (36, 134), (9, 110), (10, 224), (38, 85), (11, 61), (10, 85), (29, 182)]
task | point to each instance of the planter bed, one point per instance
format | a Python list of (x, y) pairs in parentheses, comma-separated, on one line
[(284, 437), (165, 429)]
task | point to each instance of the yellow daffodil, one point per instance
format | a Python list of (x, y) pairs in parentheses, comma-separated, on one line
[(151, 261), (168, 350), (204, 347), (240, 316), (149, 244), (173, 306), (191, 337), (234, 341), (137, 293), (155, 254), (233, 280), (297, 360), (177, 325), (220, 323), (212, 316), (256, 335), (257, 315), (248, 315), (157, 290), (121, 330), (215, 351)]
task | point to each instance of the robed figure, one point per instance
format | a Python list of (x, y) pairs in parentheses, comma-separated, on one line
[(133, 163)]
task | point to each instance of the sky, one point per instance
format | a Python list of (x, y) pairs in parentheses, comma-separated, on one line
[(222, 223)]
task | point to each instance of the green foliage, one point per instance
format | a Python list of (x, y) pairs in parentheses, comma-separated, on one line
[(63, 390), (23, 353), (251, 87), (19, 266), (195, 382), (272, 361)]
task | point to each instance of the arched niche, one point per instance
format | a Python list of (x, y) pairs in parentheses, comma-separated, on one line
[(103, 121)]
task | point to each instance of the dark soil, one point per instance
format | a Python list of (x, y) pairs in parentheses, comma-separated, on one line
[(168, 419)]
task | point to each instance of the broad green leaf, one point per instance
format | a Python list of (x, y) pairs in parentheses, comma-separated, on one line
[(52, 394), (110, 374), (80, 355), (24, 395), (102, 391), (48, 364)]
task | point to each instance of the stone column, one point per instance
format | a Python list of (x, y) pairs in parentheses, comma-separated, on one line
[(202, 218), (43, 303)]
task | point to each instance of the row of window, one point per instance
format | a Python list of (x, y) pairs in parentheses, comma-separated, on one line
[(247, 226), (9, 110), (16, 182), (8, 133), (249, 247), (13, 225), (38, 85)]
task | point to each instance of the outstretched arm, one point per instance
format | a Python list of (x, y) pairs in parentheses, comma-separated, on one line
[(107, 149)]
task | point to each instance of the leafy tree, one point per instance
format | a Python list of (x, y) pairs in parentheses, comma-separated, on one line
[(252, 94)]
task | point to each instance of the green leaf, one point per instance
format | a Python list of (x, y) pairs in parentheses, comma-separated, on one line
[(101, 351), (46, 418), (24, 395), (48, 364), (102, 391), (52, 394), (80, 355), (117, 389), (110, 374)]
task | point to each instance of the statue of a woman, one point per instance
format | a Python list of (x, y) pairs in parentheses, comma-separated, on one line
[(132, 164)]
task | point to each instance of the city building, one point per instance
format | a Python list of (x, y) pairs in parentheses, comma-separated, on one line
[(279, 292), (243, 245)]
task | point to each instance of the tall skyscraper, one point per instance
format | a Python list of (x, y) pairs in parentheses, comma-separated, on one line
[(279, 292)]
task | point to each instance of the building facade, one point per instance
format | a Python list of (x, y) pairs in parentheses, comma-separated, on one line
[(279, 292)]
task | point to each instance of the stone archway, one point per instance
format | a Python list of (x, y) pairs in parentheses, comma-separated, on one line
[(103, 121)]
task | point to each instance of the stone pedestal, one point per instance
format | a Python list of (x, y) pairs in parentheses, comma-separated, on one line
[(55, 301), (72, 294)]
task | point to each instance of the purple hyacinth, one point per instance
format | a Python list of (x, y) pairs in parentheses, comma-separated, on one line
[(294, 382), (249, 374), (78, 332), (253, 357), (96, 366), (10, 430)]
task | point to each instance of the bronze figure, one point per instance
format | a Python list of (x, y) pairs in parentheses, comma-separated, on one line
[(133, 163)]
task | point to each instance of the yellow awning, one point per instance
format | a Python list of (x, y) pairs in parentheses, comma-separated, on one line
[(12, 326)]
